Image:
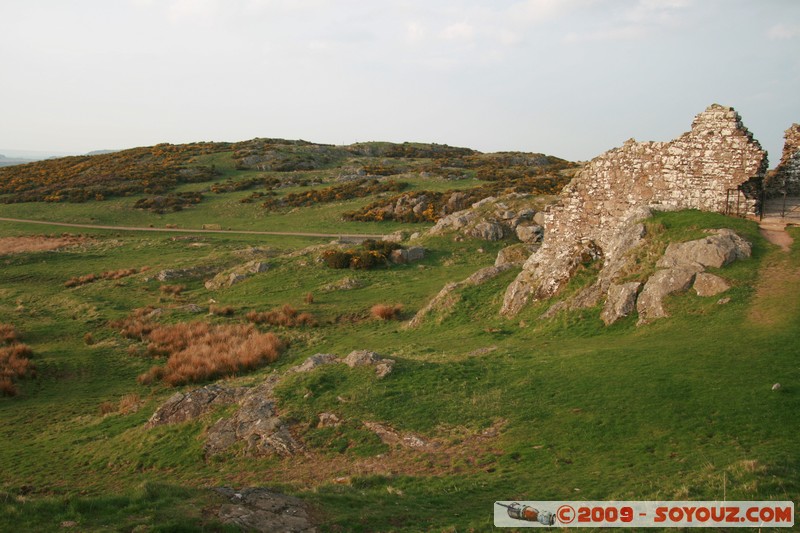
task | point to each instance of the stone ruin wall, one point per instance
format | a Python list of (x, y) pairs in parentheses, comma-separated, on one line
[(597, 213), (787, 174)]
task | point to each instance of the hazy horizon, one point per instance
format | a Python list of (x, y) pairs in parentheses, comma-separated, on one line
[(570, 78)]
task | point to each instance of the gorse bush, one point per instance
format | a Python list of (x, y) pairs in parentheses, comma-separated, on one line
[(334, 193), (199, 351), (372, 254)]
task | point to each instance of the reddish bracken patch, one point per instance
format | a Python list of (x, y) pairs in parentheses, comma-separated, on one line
[(15, 361), (285, 316), (386, 312), (198, 351)]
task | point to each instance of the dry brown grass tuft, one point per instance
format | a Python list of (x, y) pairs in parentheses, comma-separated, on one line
[(88, 339), (198, 351), (222, 310), (173, 290), (77, 281), (137, 325), (386, 312), (130, 403), (285, 316), (309, 298), (106, 408), (15, 361)]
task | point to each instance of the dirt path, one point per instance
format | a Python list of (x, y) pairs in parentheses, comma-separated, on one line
[(183, 230), (774, 230)]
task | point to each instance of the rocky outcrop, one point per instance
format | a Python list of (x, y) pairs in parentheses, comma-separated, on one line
[(256, 421), (717, 250), (181, 407), (514, 255), (236, 275), (621, 302), (261, 510), (786, 177), (712, 167), (492, 219), (447, 298), (682, 265), (407, 255), (706, 284), (383, 366)]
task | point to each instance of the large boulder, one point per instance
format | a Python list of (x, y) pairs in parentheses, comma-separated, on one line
[(620, 302), (488, 231), (650, 303), (717, 250), (706, 284), (383, 366)]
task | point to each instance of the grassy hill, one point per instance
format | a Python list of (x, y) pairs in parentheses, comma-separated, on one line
[(522, 409)]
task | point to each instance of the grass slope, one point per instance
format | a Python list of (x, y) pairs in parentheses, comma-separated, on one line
[(519, 409)]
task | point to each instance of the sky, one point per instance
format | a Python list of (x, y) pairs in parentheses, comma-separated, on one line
[(571, 78)]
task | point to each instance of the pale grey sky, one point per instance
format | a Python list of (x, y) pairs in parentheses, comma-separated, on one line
[(571, 78)]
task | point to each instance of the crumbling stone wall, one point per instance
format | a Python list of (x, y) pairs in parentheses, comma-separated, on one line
[(786, 176), (597, 213)]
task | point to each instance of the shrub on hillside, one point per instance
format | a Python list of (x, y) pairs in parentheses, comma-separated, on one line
[(334, 193), (372, 254), (199, 351)]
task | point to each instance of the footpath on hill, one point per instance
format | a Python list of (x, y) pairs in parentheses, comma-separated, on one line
[(186, 230)]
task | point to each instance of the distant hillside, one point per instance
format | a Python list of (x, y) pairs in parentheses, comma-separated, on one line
[(159, 169), (11, 161)]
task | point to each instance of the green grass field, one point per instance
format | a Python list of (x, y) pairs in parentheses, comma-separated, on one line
[(563, 409)]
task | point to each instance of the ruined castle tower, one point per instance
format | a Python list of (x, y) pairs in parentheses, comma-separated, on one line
[(717, 166), (786, 177)]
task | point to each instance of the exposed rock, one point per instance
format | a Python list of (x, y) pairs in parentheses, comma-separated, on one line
[(650, 303), (695, 171), (715, 251), (181, 407), (786, 177), (256, 509), (723, 301), (488, 231), (392, 437), (709, 285), (530, 233), (407, 255), (314, 361), (257, 423), (236, 275), (776, 387), (328, 420), (171, 274), (383, 366), (344, 284), (444, 301), (514, 255), (621, 302), (397, 236)]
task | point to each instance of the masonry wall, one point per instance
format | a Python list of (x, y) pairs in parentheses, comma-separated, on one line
[(702, 169), (786, 177)]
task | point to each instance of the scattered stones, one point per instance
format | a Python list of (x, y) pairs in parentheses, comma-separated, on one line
[(257, 509), (236, 275), (706, 284), (383, 366), (314, 361), (171, 274), (696, 171)]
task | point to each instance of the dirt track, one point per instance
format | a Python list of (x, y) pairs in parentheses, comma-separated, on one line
[(183, 230)]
